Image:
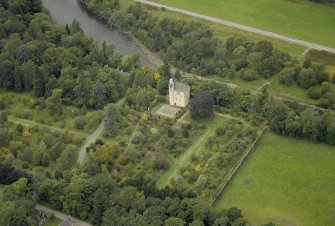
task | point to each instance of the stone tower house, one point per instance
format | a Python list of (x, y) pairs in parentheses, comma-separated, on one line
[(179, 93)]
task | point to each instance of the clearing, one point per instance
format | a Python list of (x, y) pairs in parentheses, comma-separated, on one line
[(286, 181)]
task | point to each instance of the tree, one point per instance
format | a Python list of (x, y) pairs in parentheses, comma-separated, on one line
[(9, 174), (314, 125), (3, 117), (54, 103), (68, 157), (100, 93), (100, 203), (75, 27), (113, 118), (26, 155), (306, 78), (4, 137), (13, 215), (174, 221), (201, 106)]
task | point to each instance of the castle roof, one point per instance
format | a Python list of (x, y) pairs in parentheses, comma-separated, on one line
[(180, 87)]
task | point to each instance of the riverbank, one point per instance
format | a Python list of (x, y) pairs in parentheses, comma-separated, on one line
[(65, 11)]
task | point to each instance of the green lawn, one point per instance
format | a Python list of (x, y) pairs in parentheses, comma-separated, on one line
[(52, 222), (197, 146), (300, 19), (289, 182)]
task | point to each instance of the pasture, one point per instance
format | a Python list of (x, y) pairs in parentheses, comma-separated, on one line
[(286, 181), (300, 19)]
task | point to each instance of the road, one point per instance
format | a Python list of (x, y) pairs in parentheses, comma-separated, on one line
[(61, 215), (308, 45)]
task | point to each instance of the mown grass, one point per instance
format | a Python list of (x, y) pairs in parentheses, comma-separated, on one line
[(286, 181), (300, 19), (322, 57), (52, 222), (197, 146)]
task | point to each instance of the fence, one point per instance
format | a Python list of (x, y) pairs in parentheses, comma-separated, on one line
[(235, 170)]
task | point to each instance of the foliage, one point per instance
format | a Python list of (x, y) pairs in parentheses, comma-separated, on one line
[(10, 175), (201, 106)]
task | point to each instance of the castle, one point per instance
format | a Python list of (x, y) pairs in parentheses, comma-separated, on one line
[(179, 93)]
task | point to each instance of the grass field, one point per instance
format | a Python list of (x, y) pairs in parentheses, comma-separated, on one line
[(286, 181), (300, 19), (197, 146), (53, 222)]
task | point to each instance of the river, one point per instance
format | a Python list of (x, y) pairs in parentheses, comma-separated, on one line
[(65, 11)]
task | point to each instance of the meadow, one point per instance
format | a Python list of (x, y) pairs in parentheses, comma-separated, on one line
[(300, 19), (286, 181)]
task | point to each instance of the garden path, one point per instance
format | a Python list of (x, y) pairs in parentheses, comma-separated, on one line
[(61, 215), (91, 138)]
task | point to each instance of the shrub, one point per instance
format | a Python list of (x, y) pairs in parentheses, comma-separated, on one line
[(185, 133), (25, 165), (161, 162), (79, 123), (3, 117), (170, 133), (99, 142), (249, 75), (313, 93), (2, 104)]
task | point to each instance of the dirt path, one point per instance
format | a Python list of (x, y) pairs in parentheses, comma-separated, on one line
[(309, 45), (61, 215), (30, 123), (133, 134), (91, 138), (231, 117)]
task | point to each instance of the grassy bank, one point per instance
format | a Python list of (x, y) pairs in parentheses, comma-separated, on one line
[(289, 182)]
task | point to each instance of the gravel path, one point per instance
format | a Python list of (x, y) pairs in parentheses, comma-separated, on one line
[(308, 45), (91, 138), (61, 215)]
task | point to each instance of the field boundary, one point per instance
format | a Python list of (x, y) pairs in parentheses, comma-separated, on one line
[(236, 169)]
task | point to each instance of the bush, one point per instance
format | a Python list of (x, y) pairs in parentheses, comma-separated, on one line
[(25, 165), (2, 104), (249, 75), (220, 131), (170, 133), (313, 93), (99, 142), (3, 117), (185, 133), (161, 162), (79, 123)]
